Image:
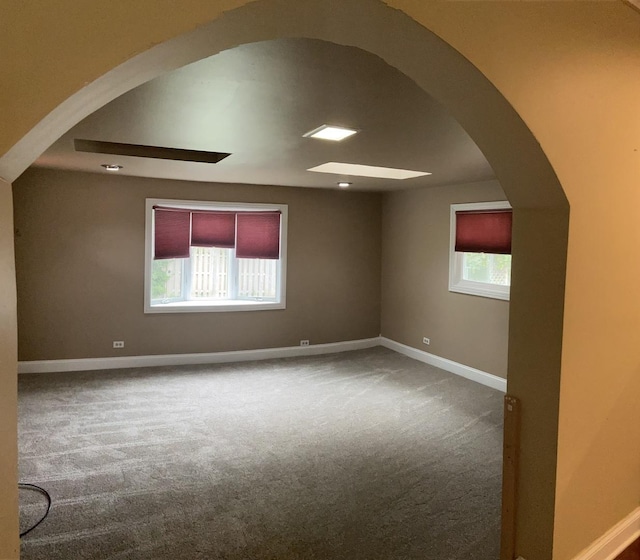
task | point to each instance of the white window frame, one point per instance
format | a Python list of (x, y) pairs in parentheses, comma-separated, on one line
[(210, 306), (456, 282)]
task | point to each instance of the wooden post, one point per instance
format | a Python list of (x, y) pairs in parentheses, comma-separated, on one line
[(511, 454)]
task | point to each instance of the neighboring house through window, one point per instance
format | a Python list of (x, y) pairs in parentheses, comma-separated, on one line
[(214, 256), (480, 249)]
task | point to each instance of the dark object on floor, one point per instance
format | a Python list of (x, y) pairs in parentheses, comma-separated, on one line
[(36, 488)]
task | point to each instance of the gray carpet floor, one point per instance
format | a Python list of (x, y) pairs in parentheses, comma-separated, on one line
[(359, 455)]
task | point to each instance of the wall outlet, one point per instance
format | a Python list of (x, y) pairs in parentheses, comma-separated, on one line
[(304, 343), (118, 343), (426, 341)]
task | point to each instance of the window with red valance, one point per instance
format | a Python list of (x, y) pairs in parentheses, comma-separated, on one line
[(254, 235), (480, 249), (212, 256)]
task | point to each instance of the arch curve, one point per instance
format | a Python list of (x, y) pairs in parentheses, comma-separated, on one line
[(540, 206)]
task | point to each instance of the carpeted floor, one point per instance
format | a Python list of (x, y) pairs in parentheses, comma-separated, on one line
[(363, 455)]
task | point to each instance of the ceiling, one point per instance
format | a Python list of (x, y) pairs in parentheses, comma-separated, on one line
[(256, 101)]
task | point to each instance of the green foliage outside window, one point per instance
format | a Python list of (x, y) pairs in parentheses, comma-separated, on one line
[(163, 273), (489, 268)]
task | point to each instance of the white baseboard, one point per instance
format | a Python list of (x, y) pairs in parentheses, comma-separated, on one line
[(607, 547), (88, 364), (51, 366), (615, 540), (473, 374)]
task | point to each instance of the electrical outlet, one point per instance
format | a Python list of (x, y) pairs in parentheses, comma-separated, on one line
[(118, 343), (304, 343), (426, 341)]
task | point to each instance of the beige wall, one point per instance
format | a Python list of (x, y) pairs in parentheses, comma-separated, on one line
[(515, 156), (80, 44), (570, 71), (80, 269), (8, 389), (416, 300)]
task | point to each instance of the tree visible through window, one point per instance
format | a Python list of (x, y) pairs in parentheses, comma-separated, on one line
[(487, 267)]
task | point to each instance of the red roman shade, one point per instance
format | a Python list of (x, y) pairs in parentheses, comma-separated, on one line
[(213, 229), (487, 231), (255, 235), (258, 235), (172, 230)]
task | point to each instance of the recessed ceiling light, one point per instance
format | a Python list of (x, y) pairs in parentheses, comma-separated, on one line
[(344, 184), (367, 171), (328, 132), (111, 166)]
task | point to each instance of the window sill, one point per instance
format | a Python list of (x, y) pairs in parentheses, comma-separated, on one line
[(481, 289), (213, 306)]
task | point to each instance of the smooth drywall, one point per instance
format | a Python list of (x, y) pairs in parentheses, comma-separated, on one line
[(78, 46), (56, 67), (416, 301), (80, 269), (570, 69), (9, 543)]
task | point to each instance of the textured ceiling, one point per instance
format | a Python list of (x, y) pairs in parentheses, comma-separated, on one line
[(256, 101)]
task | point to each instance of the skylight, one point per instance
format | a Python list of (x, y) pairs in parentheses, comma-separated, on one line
[(355, 169), (328, 132)]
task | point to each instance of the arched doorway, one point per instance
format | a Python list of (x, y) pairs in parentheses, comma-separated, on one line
[(541, 210)]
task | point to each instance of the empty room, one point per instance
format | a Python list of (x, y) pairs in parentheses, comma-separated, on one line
[(263, 310), (548, 92)]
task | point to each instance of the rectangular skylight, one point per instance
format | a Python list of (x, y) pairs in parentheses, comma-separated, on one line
[(328, 132), (358, 170)]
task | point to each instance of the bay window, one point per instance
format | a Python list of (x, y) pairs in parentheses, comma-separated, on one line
[(213, 256)]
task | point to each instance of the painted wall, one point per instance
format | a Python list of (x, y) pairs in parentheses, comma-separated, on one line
[(80, 269), (570, 71), (9, 544), (75, 264), (416, 300), (536, 317), (84, 39)]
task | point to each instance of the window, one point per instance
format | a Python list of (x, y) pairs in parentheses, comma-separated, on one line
[(480, 249), (214, 256)]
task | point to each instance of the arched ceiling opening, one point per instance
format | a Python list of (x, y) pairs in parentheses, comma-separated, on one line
[(541, 209)]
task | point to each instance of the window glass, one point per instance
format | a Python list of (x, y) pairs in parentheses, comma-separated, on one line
[(477, 273), (166, 280), (487, 267), (214, 278), (257, 278), (210, 274)]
